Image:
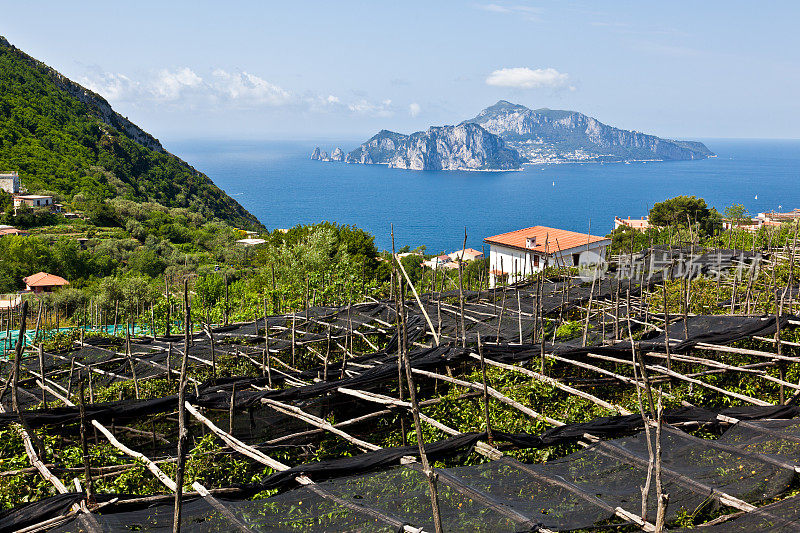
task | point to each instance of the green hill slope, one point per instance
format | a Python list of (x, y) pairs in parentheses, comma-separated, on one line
[(63, 138)]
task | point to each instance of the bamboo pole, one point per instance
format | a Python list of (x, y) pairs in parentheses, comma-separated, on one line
[(419, 302), (555, 383), (485, 391), (149, 464), (87, 465), (493, 393), (40, 353), (430, 474), (182, 433), (461, 291), (259, 456)]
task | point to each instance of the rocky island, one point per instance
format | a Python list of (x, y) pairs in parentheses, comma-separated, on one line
[(505, 136)]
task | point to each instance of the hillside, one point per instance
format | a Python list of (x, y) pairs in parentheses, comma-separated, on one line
[(548, 135), (65, 139)]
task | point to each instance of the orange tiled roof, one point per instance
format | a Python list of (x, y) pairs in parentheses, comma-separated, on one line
[(43, 279), (12, 231), (557, 239)]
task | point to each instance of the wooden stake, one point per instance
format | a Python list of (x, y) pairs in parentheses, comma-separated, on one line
[(426, 468), (485, 392), (41, 373), (87, 465), (230, 411), (461, 291), (168, 327), (182, 432), (130, 359), (227, 309)]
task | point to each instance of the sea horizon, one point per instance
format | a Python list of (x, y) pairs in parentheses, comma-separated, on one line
[(282, 187)]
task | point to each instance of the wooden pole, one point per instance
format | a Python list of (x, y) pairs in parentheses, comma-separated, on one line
[(430, 474), (399, 320), (87, 465), (485, 392), (213, 351), (130, 359), (461, 291), (15, 381), (661, 498), (168, 328), (40, 352), (266, 371), (230, 410), (227, 309), (182, 431), (294, 326), (419, 302)]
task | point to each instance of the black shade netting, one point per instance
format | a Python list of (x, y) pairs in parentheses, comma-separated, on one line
[(299, 510), (779, 517)]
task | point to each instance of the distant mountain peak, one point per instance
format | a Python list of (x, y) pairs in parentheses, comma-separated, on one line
[(505, 134), (552, 135), (503, 106)]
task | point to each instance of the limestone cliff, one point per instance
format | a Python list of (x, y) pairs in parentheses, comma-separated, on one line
[(462, 147), (547, 135)]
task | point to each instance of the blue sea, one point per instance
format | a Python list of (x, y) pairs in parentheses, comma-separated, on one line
[(279, 184)]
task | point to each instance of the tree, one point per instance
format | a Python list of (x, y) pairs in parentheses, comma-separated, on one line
[(736, 213), (685, 211), (6, 202), (625, 239)]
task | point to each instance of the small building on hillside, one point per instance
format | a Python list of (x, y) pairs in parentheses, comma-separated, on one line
[(9, 182), (9, 301), (11, 230), (44, 282), (768, 219), (469, 255), (251, 242), (746, 224), (33, 200), (639, 224), (516, 254), (774, 216), (438, 261)]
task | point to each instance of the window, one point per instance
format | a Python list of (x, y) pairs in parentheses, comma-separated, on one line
[(536, 261), (576, 259)]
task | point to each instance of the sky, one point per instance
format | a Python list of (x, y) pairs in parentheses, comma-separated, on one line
[(346, 69)]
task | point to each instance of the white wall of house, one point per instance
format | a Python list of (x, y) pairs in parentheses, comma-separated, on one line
[(518, 263), (9, 182)]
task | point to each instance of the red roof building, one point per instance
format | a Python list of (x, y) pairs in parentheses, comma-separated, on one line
[(44, 282), (519, 253), (11, 230)]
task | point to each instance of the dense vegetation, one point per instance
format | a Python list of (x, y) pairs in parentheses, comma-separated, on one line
[(64, 146)]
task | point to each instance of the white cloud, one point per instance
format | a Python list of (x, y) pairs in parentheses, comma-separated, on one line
[(112, 86), (365, 107), (526, 78), (414, 109), (248, 89), (526, 12), (226, 90), (170, 85)]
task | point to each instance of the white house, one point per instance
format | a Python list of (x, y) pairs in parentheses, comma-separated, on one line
[(33, 200), (9, 182), (469, 254), (639, 224), (516, 254)]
